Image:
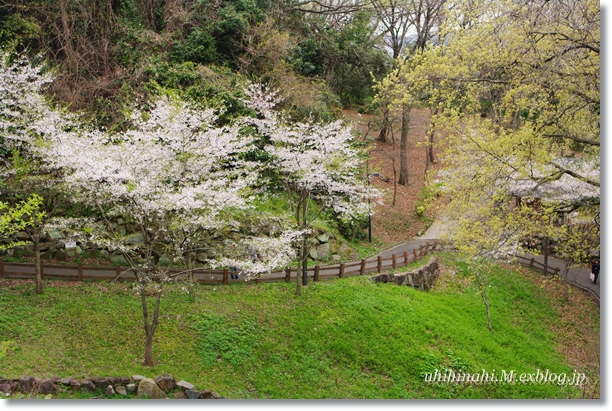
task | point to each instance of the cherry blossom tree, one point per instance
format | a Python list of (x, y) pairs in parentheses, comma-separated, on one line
[(173, 173), (26, 120), (315, 162)]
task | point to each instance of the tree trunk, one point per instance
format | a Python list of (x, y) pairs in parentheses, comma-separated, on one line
[(301, 213), (37, 264), (394, 181), (149, 326), (546, 255), (148, 357), (382, 136), (298, 289), (403, 178), (305, 196), (190, 259), (304, 263), (485, 299), (429, 156)]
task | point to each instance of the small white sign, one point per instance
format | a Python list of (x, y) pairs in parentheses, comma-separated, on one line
[(70, 244)]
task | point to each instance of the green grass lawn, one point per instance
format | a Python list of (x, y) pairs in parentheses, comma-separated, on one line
[(345, 338)]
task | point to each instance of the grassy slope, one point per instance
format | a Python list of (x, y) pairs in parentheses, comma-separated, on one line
[(345, 338)]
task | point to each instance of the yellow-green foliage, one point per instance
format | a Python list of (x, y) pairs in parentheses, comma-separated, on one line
[(15, 219), (516, 88)]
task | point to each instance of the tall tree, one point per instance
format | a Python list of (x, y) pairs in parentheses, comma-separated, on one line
[(519, 93), (173, 172), (26, 118), (316, 163), (406, 27)]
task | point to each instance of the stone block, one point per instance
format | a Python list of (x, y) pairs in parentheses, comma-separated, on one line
[(88, 386), (185, 385), (110, 391), (73, 252), (27, 383), (323, 238), (165, 382), (5, 388), (101, 382), (75, 385), (323, 251), (206, 395), (147, 388), (192, 394), (47, 387)]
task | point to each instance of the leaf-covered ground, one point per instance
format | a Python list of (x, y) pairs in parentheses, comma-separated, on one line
[(396, 223)]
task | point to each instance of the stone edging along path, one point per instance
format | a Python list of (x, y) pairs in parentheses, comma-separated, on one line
[(137, 386)]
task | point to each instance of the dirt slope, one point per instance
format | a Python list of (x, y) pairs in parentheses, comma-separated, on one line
[(395, 223)]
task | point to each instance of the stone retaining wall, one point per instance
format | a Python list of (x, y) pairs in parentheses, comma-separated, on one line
[(139, 386), (422, 278)]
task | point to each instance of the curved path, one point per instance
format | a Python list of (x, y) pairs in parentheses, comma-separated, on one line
[(579, 276)]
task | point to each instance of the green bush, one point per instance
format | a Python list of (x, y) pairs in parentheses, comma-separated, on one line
[(198, 47)]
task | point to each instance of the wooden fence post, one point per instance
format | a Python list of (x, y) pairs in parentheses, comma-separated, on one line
[(2, 269), (394, 259), (557, 271), (379, 268), (362, 268), (288, 275), (118, 270), (414, 254), (341, 273), (531, 262), (316, 273), (406, 258), (80, 268), (427, 248), (225, 276), (257, 280)]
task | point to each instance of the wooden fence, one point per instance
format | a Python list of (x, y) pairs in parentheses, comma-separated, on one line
[(117, 273), (532, 263)]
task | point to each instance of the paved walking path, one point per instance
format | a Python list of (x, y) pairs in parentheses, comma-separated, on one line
[(579, 276)]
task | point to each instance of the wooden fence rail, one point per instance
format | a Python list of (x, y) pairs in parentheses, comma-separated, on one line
[(532, 263), (81, 272)]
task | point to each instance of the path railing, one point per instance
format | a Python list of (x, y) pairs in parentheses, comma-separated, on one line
[(81, 272), (533, 263)]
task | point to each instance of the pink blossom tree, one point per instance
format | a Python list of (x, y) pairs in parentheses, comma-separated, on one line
[(26, 121), (316, 162), (172, 174)]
